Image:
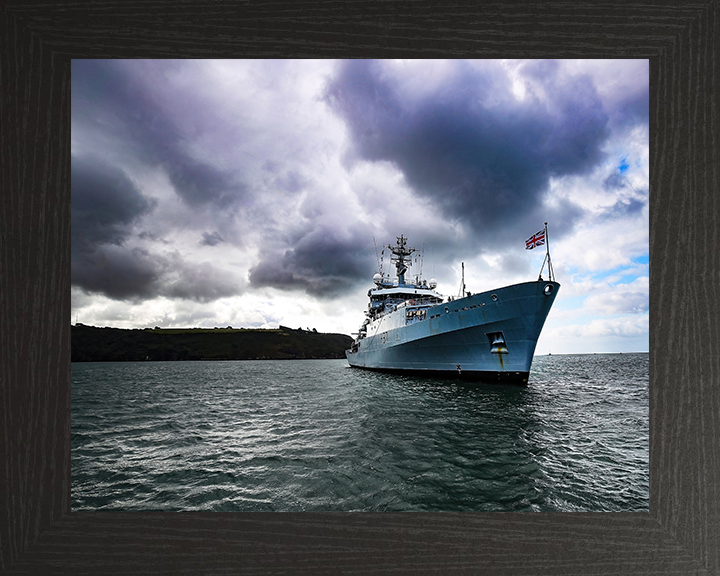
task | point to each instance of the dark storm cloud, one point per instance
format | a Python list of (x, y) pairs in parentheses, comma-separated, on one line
[(633, 110), (630, 201), (624, 208), (321, 262), (136, 274), (120, 274), (616, 181), (482, 157), (120, 101), (106, 206), (213, 239)]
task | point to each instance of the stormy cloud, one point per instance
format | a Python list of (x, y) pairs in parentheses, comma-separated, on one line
[(129, 102), (479, 154), (106, 212), (105, 204), (321, 262), (211, 239)]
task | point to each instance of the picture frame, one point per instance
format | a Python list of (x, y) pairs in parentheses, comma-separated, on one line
[(38, 532)]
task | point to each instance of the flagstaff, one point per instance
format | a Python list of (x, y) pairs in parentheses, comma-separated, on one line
[(547, 255), (539, 239)]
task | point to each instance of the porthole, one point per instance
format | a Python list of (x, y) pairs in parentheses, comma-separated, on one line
[(447, 310), (494, 297), (549, 289)]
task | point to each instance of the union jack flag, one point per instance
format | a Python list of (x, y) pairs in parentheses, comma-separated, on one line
[(537, 239)]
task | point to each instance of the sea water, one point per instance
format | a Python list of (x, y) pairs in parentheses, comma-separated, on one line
[(317, 435)]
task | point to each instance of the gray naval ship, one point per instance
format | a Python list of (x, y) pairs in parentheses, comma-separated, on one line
[(490, 336)]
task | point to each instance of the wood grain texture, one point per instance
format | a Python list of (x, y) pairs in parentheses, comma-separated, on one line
[(39, 535)]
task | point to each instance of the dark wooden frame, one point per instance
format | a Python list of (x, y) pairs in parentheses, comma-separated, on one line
[(681, 532)]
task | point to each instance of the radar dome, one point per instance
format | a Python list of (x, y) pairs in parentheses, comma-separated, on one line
[(377, 278), (433, 283)]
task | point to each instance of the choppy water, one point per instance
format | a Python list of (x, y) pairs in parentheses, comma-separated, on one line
[(316, 435)]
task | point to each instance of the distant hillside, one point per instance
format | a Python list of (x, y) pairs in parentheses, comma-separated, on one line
[(91, 344)]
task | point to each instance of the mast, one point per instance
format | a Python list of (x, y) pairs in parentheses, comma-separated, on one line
[(400, 252), (377, 256), (461, 293)]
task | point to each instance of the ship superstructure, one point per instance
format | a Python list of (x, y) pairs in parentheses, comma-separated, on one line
[(411, 328)]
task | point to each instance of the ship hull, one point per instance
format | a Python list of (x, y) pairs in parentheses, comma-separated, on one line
[(489, 336)]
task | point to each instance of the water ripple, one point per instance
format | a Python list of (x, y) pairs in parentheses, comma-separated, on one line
[(315, 435)]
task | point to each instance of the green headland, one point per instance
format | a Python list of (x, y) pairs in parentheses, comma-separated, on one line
[(92, 344)]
